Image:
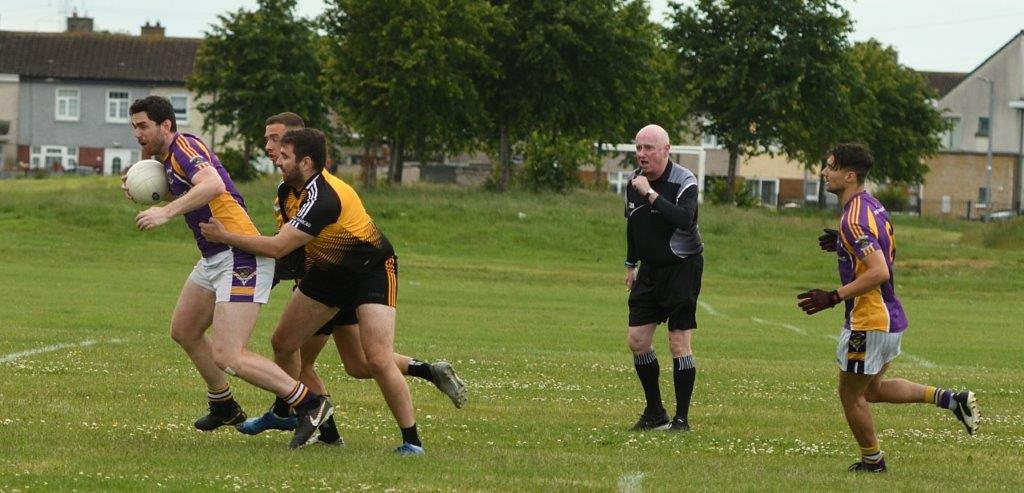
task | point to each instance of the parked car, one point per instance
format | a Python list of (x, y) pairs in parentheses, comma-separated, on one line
[(1003, 215)]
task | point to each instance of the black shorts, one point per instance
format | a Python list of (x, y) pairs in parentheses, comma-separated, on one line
[(661, 293), (346, 290), (345, 316)]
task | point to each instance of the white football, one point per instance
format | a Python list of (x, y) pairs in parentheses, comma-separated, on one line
[(147, 182)]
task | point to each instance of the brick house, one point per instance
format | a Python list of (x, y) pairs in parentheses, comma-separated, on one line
[(957, 183)]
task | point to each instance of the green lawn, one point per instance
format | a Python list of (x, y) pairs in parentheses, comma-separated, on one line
[(524, 294)]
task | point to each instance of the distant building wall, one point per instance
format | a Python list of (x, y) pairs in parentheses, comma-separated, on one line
[(40, 126), (9, 90), (954, 179)]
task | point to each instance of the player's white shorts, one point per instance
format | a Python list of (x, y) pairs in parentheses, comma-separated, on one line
[(235, 276), (866, 352)]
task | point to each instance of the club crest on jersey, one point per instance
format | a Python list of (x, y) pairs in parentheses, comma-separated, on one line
[(245, 274), (863, 243), (198, 162)]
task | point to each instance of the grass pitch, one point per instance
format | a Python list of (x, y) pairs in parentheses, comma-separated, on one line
[(524, 294)]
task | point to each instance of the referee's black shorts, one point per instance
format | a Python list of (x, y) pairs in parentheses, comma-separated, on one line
[(667, 293), (377, 284)]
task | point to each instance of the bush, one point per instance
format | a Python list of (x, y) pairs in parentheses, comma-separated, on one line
[(742, 197), (893, 197), (553, 162), (234, 162)]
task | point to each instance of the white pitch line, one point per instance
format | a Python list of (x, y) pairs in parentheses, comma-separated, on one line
[(631, 483), (715, 313), (711, 311), (793, 328), (7, 358), (917, 359)]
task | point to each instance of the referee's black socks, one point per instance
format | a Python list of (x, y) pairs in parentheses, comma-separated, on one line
[(647, 369), (684, 372)]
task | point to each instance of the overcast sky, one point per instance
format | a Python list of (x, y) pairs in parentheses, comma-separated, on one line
[(940, 35)]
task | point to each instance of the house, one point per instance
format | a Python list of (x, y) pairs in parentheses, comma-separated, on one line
[(957, 183), (64, 97)]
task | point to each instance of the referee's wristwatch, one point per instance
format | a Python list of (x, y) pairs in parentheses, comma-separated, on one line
[(650, 192)]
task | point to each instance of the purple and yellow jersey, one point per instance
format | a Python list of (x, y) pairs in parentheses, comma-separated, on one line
[(186, 156), (863, 229)]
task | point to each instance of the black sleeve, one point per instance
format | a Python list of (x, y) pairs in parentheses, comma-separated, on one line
[(631, 255), (322, 209), (680, 214)]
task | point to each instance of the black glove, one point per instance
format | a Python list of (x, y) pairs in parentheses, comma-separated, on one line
[(827, 241), (816, 300)]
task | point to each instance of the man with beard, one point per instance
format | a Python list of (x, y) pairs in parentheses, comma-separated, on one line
[(350, 265), (227, 286)]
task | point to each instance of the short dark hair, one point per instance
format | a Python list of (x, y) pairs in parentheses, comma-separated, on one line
[(308, 142), (288, 119), (853, 157), (157, 109)]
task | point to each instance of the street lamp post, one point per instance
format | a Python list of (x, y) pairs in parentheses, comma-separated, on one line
[(988, 162)]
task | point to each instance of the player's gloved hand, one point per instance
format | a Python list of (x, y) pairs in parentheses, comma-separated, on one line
[(827, 241), (816, 300)]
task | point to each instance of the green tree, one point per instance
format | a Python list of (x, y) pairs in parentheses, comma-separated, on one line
[(575, 69), (901, 125), (256, 64), (879, 103), (407, 70), (757, 68)]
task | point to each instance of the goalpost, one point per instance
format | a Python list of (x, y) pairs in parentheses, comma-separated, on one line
[(622, 177)]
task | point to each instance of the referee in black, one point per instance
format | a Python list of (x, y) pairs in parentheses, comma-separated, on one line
[(663, 271)]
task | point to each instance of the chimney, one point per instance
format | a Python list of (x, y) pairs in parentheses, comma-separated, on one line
[(78, 24), (152, 31)]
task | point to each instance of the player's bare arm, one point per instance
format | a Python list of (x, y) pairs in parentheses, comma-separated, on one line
[(207, 185), (876, 274), (284, 242)]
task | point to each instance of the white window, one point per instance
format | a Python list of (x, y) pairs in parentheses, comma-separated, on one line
[(180, 104), (71, 157), (67, 104), (765, 189), (54, 158), (951, 137), (811, 190), (708, 141), (117, 105)]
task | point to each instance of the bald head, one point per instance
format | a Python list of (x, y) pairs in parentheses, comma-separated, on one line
[(652, 149), (654, 134)]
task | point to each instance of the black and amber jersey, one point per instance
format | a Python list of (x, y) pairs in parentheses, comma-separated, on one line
[(345, 235), (286, 205)]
